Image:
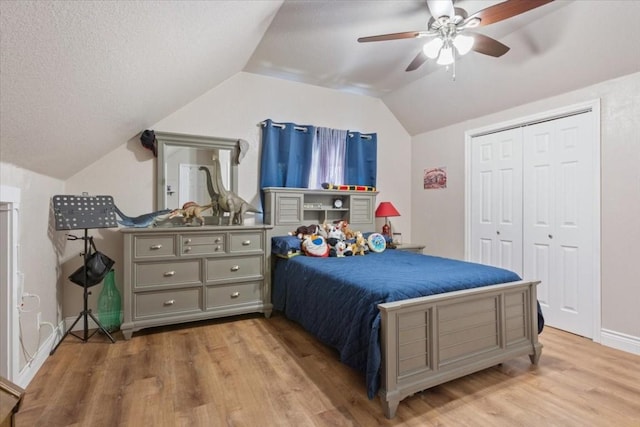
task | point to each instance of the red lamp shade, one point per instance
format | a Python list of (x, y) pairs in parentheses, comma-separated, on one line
[(386, 209)]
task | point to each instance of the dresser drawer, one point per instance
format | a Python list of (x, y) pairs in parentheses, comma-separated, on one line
[(179, 301), (245, 242), (167, 273), (154, 246), (234, 294), (208, 244), (236, 268)]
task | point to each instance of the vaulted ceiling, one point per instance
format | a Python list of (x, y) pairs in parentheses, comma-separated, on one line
[(79, 78)]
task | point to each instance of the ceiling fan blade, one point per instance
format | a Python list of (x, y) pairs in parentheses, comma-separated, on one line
[(394, 36), (505, 10), (488, 46), (439, 8), (417, 61)]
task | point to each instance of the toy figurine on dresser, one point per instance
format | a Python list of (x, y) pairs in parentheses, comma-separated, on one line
[(224, 199)]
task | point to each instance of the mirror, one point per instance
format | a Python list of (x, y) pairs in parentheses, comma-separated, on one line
[(180, 158)]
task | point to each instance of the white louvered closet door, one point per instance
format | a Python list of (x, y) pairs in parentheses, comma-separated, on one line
[(558, 219), (496, 199)]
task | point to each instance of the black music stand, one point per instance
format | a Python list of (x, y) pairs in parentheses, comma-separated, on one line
[(84, 212)]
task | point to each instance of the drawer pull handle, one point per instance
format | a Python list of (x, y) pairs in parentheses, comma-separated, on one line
[(218, 240), (169, 273), (187, 249), (246, 243), (235, 268), (235, 295), (156, 247), (218, 248), (170, 302), (187, 241)]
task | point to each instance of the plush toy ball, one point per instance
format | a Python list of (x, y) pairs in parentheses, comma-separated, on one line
[(376, 242), (315, 246)]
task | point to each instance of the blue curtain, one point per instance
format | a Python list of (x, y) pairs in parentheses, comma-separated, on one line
[(361, 159), (286, 154)]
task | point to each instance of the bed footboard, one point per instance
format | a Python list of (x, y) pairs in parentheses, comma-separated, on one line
[(431, 340)]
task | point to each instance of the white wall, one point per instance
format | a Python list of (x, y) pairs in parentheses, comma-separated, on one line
[(438, 215), (39, 252), (233, 110)]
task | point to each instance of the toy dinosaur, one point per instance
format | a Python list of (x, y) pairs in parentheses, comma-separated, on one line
[(215, 197), (227, 200), (141, 221), (189, 212)]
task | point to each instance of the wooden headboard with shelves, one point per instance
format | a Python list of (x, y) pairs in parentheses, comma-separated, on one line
[(288, 208)]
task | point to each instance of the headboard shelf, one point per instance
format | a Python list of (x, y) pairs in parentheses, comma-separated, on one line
[(288, 208)]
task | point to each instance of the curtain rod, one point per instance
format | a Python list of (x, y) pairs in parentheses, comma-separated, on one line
[(363, 136), (304, 129), (282, 126)]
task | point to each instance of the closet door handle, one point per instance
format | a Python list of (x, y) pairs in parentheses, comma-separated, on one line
[(498, 233)]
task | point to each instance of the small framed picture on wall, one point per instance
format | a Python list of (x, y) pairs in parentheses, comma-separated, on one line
[(435, 178)]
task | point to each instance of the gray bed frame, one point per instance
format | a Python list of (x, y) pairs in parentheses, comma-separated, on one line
[(429, 340)]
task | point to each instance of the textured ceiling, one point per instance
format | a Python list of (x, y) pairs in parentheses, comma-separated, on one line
[(79, 78)]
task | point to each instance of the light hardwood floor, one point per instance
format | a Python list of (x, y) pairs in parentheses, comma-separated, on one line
[(252, 371)]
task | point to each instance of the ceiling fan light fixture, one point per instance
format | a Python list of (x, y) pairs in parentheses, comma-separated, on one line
[(432, 48), (463, 43), (446, 56)]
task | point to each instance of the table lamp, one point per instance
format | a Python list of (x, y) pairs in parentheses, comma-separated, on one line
[(386, 209)]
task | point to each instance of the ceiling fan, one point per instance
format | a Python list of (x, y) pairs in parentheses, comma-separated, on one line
[(448, 29)]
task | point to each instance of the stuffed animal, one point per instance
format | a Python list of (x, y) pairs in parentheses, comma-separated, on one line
[(334, 232), (307, 230), (348, 233), (315, 246), (341, 248), (360, 246)]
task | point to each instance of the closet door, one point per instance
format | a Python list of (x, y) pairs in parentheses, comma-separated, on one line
[(496, 199), (558, 219)]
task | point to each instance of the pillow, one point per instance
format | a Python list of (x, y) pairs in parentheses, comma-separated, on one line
[(285, 245)]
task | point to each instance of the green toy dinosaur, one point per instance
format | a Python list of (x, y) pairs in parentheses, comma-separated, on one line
[(226, 200)]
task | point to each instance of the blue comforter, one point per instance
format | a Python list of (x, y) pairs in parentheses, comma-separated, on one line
[(336, 298)]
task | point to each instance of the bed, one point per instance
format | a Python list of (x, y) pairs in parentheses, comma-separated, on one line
[(408, 321)]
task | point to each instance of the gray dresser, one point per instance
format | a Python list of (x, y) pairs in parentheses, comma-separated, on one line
[(182, 274)]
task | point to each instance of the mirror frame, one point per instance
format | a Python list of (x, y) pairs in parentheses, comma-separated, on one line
[(168, 139)]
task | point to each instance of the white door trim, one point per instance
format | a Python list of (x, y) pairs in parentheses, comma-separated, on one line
[(594, 106), (9, 333)]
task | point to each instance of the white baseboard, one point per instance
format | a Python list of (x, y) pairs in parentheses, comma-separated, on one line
[(620, 341), (30, 370)]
